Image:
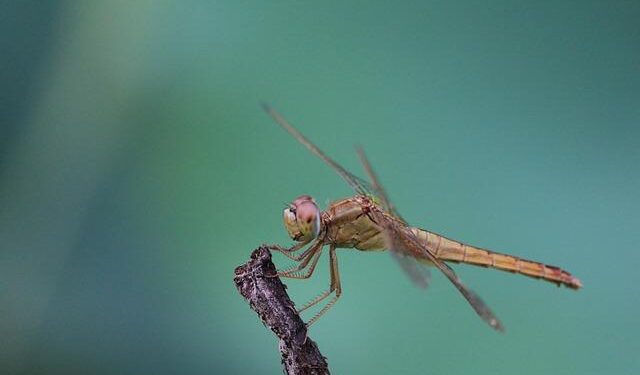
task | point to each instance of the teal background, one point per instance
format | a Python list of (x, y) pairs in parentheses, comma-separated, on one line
[(137, 171)]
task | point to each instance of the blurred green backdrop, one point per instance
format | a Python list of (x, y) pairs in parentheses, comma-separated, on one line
[(137, 170)]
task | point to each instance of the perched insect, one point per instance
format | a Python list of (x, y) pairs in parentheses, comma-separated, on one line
[(369, 222)]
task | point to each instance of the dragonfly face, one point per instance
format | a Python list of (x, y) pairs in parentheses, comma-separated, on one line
[(302, 219)]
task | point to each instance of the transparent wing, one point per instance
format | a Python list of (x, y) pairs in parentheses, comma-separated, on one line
[(417, 272), (378, 189), (406, 247), (356, 183), (401, 239)]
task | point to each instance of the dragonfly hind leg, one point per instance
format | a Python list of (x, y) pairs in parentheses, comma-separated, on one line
[(335, 286)]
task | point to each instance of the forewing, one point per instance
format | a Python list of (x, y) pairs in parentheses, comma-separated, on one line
[(379, 190), (352, 180), (401, 239)]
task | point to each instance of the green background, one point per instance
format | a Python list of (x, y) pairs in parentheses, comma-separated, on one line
[(137, 171)]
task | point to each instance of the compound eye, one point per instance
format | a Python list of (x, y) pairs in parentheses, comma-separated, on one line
[(308, 216), (302, 219)]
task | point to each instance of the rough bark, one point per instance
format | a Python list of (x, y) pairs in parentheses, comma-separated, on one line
[(258, 283)]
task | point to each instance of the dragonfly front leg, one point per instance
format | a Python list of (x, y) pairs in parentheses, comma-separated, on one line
[(288, 251), (295, 273), (335, 286), (312, 253)]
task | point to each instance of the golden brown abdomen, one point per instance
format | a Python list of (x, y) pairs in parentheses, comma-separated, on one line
[(454, 251)]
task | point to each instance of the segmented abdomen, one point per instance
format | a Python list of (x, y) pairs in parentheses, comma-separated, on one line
[(454, 251)]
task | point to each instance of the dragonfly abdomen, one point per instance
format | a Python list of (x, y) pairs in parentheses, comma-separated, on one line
[(454, 251)]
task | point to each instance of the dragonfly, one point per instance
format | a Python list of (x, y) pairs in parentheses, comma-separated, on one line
[(368, 221)]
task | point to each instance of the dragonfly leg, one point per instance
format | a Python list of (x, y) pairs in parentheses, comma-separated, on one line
[(303, 255), (334, 287), (288, 252), (312, 253), (316, 300)]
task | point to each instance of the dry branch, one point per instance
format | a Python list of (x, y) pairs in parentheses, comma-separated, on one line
[(256, 280)]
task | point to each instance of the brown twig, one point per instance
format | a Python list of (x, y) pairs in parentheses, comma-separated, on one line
[(258, 283)]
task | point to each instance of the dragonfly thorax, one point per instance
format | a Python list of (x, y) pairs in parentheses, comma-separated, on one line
[(302, 219)]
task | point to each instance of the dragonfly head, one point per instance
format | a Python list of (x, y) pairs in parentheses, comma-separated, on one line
[(302, 219)]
